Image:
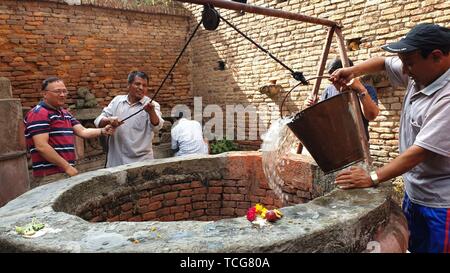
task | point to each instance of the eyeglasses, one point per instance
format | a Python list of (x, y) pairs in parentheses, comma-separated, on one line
[(59, 91)]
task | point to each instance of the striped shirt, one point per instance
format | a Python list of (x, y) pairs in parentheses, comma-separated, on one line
[(58, 123)]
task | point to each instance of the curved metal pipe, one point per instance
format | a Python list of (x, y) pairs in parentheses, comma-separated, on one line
[(263, 11)]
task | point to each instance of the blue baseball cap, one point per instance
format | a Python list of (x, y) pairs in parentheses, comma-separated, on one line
[(422, 36)]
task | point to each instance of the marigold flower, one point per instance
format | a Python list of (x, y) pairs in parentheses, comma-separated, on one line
[(263, 213), (259, 208)]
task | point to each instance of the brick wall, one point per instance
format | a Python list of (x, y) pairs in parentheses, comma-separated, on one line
[(299, 45), (229, 191), (221, 199), (94, 47), (97, 45)]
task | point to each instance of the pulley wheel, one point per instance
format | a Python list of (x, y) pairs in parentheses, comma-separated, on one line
[(210, 18)]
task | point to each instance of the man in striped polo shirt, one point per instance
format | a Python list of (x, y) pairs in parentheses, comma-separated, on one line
[(50, 129)]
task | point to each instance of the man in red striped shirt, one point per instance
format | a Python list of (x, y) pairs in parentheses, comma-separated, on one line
[(50, 129)]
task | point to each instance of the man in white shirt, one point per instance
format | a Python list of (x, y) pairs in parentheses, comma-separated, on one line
[(187, 137), (132, 141)]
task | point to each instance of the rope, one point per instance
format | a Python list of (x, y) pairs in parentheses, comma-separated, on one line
[(297, 75), (170, 71), (160, 86), (313, 78)]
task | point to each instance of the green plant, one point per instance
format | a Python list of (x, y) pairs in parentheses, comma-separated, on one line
[(222, 146)]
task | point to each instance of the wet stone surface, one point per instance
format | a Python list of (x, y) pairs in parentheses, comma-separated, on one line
[(338, 221)]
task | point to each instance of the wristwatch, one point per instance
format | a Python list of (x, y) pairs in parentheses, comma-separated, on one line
[(374, 178)]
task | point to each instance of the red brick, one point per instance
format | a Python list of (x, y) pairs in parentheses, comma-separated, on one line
[(171, 195), (198, 197), (260, 192), (214, 204), (158, 197), (199, 205), (230, 190), (183, 200), (214, 197), (186, 192), (215, 183), (169, 203), (143, 201), (177, 209), (237, 197), (267, 201), (163, 212), (196, 184), (125, 215), (196, 213), (229, 204), (241, 212), (264, 185), (154, 206), (214, 190), (242, 183), (243, 205), (229, 183), (149, 216), (142, 210), (97, 219), (113, 219), (127, 206), (212, 211), (181, 216), (200, 190), (137, 218), (167, 218), (278, 203), (163, 189), (243, 190), (227, 211)]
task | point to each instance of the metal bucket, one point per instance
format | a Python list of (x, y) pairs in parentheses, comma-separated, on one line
[(333, 132)]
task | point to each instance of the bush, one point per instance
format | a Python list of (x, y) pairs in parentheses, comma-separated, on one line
[(222, 146)]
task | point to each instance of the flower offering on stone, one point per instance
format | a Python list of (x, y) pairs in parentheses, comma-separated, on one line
[(260, 214)]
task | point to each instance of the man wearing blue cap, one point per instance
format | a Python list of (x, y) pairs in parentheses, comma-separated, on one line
[(423, 67)]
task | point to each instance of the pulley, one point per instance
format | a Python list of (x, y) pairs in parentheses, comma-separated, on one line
[(210, 17)]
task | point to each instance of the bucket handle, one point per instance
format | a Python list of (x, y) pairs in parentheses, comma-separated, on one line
[(313, 78)]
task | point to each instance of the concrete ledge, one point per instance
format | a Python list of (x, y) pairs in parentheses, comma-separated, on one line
[(339, 221)]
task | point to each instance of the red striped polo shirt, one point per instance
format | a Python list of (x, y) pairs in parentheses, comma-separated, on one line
[(58, 123)]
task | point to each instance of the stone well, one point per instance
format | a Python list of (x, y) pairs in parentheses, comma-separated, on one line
[(195, 204)]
